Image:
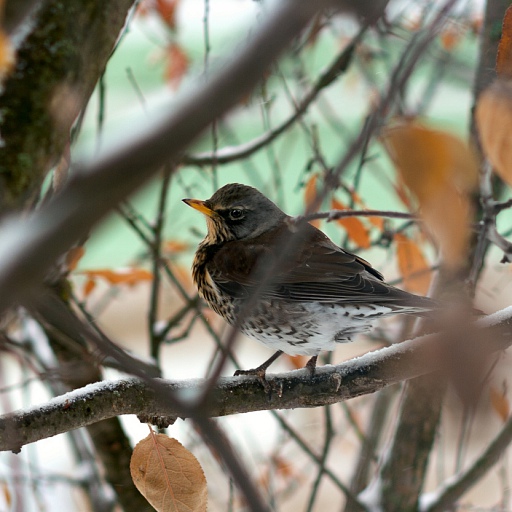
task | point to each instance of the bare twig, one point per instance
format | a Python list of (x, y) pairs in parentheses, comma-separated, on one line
[(231, 154), (448, 494)]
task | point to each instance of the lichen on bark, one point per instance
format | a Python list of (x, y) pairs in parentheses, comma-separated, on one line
[(57, 66)]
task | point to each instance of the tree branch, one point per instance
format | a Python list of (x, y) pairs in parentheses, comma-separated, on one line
[(230, 154), (451, 491), (57, 67), (233, 395)]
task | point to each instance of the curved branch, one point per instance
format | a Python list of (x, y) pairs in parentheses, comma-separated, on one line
[(233, 395)]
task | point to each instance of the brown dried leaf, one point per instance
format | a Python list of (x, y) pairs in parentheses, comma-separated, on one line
[(175, 246), (450, 37), (129, 276), (494, 121), (167, 10), (504, 55), (177, 64), (429, 159), (168, 475), (355, 229), (413, 266), (378, 222), (440, 171), (310, 194), (499, 403), (89, 286)]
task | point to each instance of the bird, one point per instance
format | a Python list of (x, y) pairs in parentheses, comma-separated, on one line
[(284, 283)]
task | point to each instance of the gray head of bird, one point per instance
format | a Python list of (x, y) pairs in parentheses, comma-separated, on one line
[(237, 212)]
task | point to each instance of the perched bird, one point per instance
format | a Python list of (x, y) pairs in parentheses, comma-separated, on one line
[(286, 284)]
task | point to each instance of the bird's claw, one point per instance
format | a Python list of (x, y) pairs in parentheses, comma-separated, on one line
[(260, 374)]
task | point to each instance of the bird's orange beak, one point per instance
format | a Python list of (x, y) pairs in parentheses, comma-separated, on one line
[(200, 206)]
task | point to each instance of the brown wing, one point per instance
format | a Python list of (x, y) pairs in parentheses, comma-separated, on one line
[(303, 266)]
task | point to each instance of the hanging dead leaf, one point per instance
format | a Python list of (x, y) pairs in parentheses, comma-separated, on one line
[(167, 9), (175, 246), (378, 222), (311, 199), (355, 229), (177, 64), (412, 264), (447, 217), (429, 159), (450, 37), (499, 403), (128, 276), (504, 54), (168, 475), (494, 121), (310, 194), (440, 171), (89, 286)]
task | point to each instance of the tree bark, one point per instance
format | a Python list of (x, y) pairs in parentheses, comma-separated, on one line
[(57, 66)]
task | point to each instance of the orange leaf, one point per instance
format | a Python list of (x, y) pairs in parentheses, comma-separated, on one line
[(499, 403), (129, 276), (177, 64), (355, 229), (310, 195), (441, 172), (494, 121), (429, 159), (378, 222), (450, 37), (175, 246), (168, 475), (412, 265), (167, 10), (89, 286), (504, 55)]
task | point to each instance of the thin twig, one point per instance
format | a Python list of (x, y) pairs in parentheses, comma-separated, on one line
[(231, 154), (156, 255)]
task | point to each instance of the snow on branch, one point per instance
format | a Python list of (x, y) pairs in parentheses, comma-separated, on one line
[(233, 395)]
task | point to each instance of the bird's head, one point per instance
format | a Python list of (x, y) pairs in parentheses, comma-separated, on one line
[(237, 212)]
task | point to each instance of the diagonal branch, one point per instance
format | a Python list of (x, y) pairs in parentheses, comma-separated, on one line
[(233, 395)]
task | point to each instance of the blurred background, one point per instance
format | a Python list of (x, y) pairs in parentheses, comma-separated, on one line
[(167, 48)]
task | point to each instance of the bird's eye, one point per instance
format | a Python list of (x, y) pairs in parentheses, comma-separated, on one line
[(236, 213)]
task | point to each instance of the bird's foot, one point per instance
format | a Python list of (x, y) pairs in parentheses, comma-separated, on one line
[(260, 371)]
